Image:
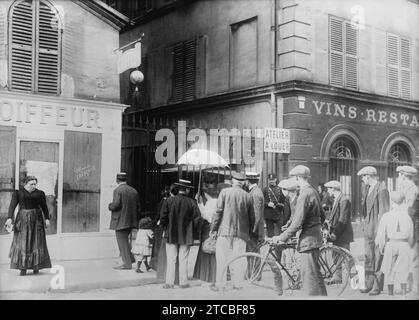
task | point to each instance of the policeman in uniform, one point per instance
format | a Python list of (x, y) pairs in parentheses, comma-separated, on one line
[(274, 206)]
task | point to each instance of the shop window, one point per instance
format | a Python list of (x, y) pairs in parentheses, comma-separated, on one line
[(399, 66), (7, 171), (343, 166), (343, 53), (184, 71), (34, 47), (398, 155)]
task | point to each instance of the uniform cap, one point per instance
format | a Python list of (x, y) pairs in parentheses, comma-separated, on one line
[(271, 176), (333, 184), (301, 171), (288, 184), (370, 171), (238, 176)]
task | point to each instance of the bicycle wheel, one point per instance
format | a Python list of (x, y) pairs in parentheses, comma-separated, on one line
[(335, 268), (251, 270)]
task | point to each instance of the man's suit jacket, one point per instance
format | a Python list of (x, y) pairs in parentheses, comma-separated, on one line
[(258, 206), (374, 205), (340, 221), (125, 208)]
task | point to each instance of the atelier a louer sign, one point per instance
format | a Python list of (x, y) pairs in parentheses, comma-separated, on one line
[(276, 140)]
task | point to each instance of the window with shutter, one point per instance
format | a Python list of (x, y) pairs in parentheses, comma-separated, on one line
[(184, 71), (343, 53), (398, 66), (35, 47)]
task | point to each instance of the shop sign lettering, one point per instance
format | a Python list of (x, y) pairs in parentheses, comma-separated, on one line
[(12, 111), (372, 115)]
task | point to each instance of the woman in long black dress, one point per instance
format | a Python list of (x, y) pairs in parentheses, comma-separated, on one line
[(205, 262), (29, 246)]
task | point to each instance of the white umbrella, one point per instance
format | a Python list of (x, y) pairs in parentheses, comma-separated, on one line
[(202, 157)]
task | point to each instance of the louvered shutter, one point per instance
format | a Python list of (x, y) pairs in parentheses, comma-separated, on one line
[(393, 65), (201, 62), (336, 52), (178, 69), (405, 68), (190, 70), (48, 51), (351, 56), (22, 46)]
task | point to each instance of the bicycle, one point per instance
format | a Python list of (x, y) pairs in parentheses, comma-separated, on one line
[(265, 268)]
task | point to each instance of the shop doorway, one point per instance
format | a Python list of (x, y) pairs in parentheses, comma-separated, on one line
[(40, 159), (343, 166)]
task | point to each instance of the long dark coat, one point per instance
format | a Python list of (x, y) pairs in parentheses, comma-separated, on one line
[(125, 208), (179, 217), (340, 221)]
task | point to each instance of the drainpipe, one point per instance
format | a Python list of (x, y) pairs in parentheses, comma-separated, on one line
[(274, 52)]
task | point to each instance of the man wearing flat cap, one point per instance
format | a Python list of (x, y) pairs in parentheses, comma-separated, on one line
[(410, 191), (375, 202), (179, 217), (232, 225), (274, 207), (308, 218), (340, 226), (258, 232), (126, 211), (289, 188)]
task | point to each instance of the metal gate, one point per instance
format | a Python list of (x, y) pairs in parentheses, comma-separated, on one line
[(343, 167)]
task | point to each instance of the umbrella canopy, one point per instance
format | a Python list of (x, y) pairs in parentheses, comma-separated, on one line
[(202, 157)]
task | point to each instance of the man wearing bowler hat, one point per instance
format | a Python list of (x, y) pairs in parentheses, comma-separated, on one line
[(374, 203), (308, 218), (179, 217), (126, 210), (411, 195), (274, 207), (232, 225)]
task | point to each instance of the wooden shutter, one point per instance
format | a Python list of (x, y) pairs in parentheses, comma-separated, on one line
[(190, 70), (201, 64), (7, 171), (178, 70), (405, 68), (336, 58), (393, 65), (81, 181), (48, 50), (22, 41), (351, 56)]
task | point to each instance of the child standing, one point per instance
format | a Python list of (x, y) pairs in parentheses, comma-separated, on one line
[(395, 238), (142, 247)]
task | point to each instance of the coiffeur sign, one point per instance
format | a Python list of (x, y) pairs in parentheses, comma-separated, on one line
[(13, 111)]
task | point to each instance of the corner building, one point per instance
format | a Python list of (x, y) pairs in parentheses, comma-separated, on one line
[(60, 118)]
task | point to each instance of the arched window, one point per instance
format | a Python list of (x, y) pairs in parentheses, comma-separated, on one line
[(34, 47), (398, 155), (343, 166)]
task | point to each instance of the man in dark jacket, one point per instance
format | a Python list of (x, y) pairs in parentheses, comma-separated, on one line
[(274, 207), (125, 209), (308, 218), (340, 226), (375, 202), (179, 217)]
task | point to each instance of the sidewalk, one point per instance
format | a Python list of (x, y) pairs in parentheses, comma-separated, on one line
[(81, 275)]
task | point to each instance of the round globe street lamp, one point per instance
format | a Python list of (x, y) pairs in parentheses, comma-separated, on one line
[(136, 77)]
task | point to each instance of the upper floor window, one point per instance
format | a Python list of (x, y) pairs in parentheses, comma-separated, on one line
[(343, 53), (398, 66), (34, 47), (184, 71)]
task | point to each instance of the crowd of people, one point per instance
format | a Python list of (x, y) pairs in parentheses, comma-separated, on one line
[(235, 216)]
